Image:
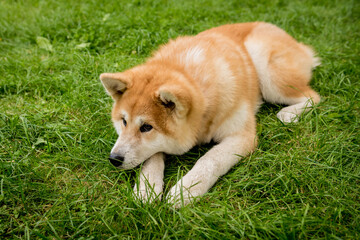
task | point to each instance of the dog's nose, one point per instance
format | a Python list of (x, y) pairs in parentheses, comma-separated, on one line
[(116, 160)]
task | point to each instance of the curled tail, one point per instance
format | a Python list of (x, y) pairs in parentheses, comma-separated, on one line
[(316, 60)]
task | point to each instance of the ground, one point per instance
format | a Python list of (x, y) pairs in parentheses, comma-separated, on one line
[(56, 133)]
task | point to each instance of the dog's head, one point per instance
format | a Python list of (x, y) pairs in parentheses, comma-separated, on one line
[(154, 111)]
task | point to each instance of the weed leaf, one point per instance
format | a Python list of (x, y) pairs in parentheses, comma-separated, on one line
[(44, 43), (82, 45)]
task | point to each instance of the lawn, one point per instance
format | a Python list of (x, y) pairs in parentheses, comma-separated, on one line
[(303, 182)]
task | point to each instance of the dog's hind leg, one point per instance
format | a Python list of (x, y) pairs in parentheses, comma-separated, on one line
[(151, 181), (298, 106), (289, 79), (289, 74), (284, 67)]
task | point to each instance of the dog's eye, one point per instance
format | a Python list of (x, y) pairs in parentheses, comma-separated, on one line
[(145, 128), (124, 122)]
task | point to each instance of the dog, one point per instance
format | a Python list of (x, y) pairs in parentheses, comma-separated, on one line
[(208, 87)]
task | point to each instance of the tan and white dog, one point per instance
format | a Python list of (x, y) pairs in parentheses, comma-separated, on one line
[(202, 88)]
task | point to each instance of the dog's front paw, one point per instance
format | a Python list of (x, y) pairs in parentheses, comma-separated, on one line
[(146, 193), (184, 193), (179, 196)]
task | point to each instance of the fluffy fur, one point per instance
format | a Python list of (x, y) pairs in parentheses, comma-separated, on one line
[(202, 88)]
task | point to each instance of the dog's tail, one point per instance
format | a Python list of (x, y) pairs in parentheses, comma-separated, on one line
[(316, 61)]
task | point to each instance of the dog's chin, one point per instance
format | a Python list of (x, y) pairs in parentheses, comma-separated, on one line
[(129, 165)]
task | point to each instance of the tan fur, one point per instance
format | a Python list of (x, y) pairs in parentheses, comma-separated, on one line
[(208, 87)]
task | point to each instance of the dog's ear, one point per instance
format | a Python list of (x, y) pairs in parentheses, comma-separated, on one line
[(115, 84), (175, 100)]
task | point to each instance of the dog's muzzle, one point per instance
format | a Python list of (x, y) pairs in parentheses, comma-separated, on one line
[(116, 160)]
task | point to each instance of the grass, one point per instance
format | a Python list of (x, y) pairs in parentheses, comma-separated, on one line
[(55, 129)]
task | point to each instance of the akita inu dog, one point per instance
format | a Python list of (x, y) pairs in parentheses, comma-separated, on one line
[(202, 88)]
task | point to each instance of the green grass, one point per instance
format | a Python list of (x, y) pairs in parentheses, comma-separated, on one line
[(56, 133)]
